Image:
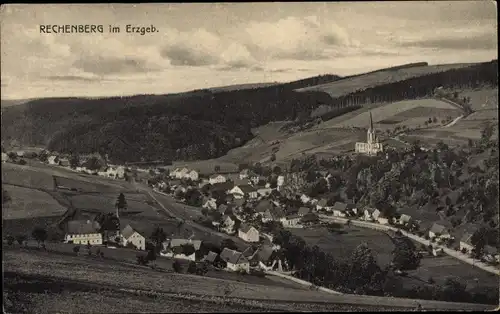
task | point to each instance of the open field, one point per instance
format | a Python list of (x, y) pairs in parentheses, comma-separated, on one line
[(481, 98), (443, 267), (26, 203), (25, 226), (26, 176), (342, 245), (103, 274), (351, 85)]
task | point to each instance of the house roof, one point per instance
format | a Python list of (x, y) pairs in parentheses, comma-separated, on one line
[(264, 253), (210, 257), (263, 206), (438, 228), (453, 195), (340, 206), (303, 210), (213, 176), (233, 257), (405, 218), (239, 202), (248, 252), (292, 216), (245, 228), (224, 186), (82, 227), (247, 188), (222, 208), (370, 210), (322, 202), (276, 213), (310, 217), (490, 250), (180, 242)]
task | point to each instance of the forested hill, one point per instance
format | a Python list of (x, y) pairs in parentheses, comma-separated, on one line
[(193, 125), (200, 124)]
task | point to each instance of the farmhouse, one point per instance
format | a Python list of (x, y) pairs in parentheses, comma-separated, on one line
[(193, 175), (83, 232), (134, 236), (211, 258), (303, 211), (217, 178), (179, 173), (53, 160), (372, 214), (372, 145), (177, 248), (465, 243), (235, 260), (248, 233)]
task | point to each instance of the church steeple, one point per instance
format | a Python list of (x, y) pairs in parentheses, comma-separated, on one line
[(371, 121)]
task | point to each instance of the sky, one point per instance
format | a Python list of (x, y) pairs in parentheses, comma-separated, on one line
[(199, 45)]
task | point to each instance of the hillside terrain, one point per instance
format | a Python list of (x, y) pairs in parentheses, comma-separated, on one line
[(205, 124)]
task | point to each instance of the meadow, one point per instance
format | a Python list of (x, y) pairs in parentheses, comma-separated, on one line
[(353, 84), (29, 203), (342, 245), (103, 274)]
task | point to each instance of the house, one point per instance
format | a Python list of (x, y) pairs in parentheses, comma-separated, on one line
[(20, 153), (222, 187), (53, 160), (248, 233), (371, 214), (339, 209), (235, 260), (304, 199), (179, 173), (245, 173), (273, 213), (222, 209), (263, 255), (228, 224), (174, 248), (193, 175), (209, 203), (404, 219), (303, 211), (280, 181), (132, 234), (465, 243), (5, 157), (239, 202), (217, 178), (310, 218), (211, 258), (120, 172), (291, 221), (64, 162), (490, 254), (244, 191), (83, 232), (263, 206), (439, 231), (322, 204)]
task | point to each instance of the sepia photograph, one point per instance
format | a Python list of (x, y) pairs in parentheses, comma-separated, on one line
[(250, 157)]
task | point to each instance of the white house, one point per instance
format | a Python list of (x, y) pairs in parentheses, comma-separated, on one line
[(305, 199), (83, 232), (264, 191), (404, 219), (248, 233), (52, 160), (120, 172), (174, 248), (339, 209), (322, 204), (279, 182), (227, 224), (193, 175), (217, 178), (242, 191), (235, 260), (465, 242), (210, 203), (291, 221), (179, 173), (130, 234)]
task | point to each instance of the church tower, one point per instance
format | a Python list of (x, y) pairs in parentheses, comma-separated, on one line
[(371, 132)]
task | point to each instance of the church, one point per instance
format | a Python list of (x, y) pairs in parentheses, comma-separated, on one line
[(372, 145)]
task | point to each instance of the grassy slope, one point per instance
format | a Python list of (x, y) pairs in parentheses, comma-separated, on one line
[(350, 85), (80, 269)]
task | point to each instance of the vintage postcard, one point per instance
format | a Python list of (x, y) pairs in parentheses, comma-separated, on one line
[(250, 157)]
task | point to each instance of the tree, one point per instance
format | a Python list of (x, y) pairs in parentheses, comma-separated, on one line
[(121, 202), (434, 119), (217, 168), (273, 157), (74, 161), (22, 162), (39, 234), (158, 236), (21, 238), (10, 240), (277, 170), (151, 256), (405, 254), (364, 273), (478, 240), (108, 222), (188, 249), (43, 157), (5, 197), (76, 249), (192, 268), (242, 166), (204, 212), (177, 266), (228, 243)]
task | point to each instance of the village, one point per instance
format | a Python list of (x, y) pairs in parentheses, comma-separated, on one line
[(246, 206)]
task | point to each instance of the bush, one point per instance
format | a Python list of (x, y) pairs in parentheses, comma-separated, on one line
[(10, 240), (76, 249), (177, 266), (192, 268), (431, 281), (22, 162)]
